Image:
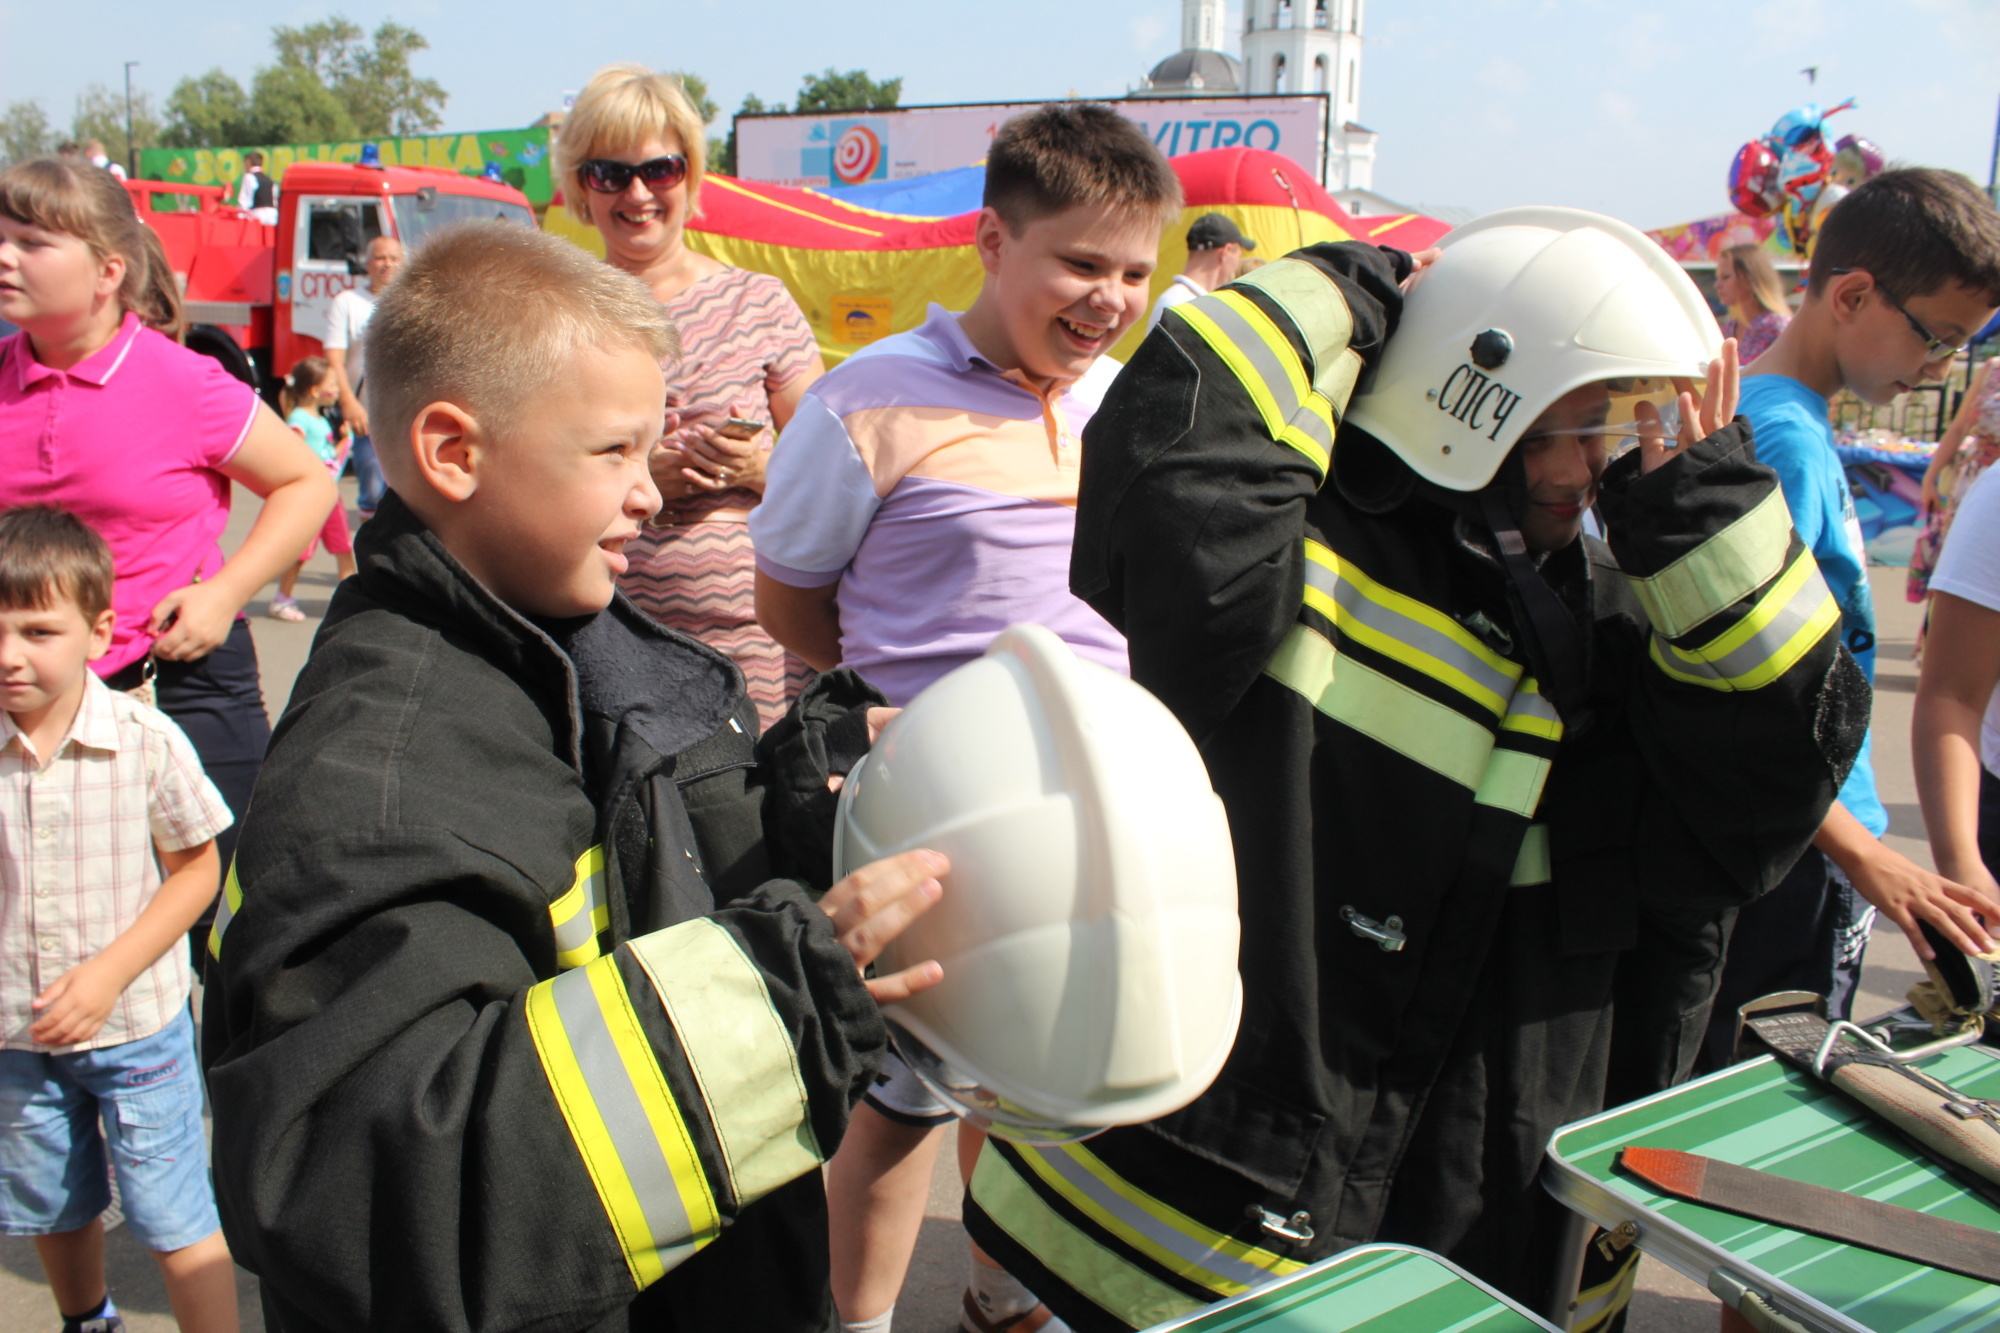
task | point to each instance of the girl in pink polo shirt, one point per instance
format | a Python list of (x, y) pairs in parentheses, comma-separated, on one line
[(103, 413)]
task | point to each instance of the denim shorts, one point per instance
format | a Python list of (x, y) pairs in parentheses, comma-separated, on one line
[(142, 1100)]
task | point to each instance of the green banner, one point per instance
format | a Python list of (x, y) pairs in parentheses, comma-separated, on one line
[(522, 156)]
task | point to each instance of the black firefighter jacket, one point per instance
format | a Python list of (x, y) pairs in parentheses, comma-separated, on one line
[(509, 1026), (1435, 877)]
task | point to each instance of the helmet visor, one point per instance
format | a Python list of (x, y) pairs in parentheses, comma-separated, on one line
[(1635, 407), (978, 1105)]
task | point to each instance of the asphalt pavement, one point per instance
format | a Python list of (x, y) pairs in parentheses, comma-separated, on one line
[(1666, 1302)]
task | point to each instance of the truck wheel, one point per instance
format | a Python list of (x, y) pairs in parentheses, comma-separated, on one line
[(212, 342)]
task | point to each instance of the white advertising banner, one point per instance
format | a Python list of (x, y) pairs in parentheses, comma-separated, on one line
[(856, 147)]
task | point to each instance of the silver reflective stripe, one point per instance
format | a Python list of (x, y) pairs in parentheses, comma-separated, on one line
[(1720, 572), (1272, 376), (1142, 1223), (226, 905), (1404, 633), (1765, 644), (582, 912), (625, 1120)]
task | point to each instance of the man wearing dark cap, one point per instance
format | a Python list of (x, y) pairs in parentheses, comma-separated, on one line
[(1215, 252)]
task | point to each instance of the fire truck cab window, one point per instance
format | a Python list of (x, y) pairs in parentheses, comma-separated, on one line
[(341, 232)]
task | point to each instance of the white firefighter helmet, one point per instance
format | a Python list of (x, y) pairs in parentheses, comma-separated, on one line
[(1523, 306), (1088, 927)]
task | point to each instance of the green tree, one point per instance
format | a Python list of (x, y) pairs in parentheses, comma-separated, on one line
[(852, 91), (331, 80), (289, 104), (382, 93), (24, 132), (212, 111), (100, 114), (696, 88)]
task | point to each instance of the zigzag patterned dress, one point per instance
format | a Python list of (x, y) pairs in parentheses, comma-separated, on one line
[(743, 339)]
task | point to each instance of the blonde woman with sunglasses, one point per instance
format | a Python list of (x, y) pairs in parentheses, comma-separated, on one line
[(631, 160)]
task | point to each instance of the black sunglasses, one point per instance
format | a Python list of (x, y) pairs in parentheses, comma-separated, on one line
[(661, 173)]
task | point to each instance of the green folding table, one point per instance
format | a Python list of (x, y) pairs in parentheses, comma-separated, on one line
[(1776, 1118), (1369, 1289)]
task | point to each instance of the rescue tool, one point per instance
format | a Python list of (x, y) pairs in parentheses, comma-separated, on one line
[(1818, 1211), (1962, 1130)]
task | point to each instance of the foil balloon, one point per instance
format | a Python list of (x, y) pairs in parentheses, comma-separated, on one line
[(1855, 160), (1753, 181)]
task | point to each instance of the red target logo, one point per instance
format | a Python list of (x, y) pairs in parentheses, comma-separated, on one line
[(856, 155)]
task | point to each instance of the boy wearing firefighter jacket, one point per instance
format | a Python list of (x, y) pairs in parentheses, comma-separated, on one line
[(510, 1026), (1465, 757)]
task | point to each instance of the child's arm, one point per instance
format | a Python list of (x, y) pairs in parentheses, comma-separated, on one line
[(806, 621), (76, 1004), (1961, 666)]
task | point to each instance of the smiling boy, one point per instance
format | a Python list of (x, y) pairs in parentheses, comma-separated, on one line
[(1905, 271), (509, 1019), (923, 499)]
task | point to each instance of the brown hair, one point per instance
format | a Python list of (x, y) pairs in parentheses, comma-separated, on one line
[(306, 376), (620, 108), (1913, 230), (1755, 270), (1071, 154), (48, 556), (488, 315), (79, 200)]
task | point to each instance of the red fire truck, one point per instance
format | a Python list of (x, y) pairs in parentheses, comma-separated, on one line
[(257, 295)]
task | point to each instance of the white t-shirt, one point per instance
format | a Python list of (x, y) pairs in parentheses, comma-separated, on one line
[(346, 321), (1969, 567), (1182, 288)]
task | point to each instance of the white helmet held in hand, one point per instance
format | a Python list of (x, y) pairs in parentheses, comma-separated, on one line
[(1088, 928), (1523, 306)]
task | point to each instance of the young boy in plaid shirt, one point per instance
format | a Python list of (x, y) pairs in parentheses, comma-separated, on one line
[(94, 980)]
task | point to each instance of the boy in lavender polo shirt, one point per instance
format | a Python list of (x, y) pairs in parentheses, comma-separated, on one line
[(923, 499)]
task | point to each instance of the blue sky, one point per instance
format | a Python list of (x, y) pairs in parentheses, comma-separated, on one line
[(1630, 108)]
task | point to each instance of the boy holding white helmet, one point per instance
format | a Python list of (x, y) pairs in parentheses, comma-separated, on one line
[(1468, 760)]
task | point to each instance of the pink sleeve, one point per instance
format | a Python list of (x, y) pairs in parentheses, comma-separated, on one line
[(792, 346), (218, 408)]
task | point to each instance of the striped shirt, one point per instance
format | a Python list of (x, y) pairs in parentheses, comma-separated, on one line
[(743, 338), (76, 856)]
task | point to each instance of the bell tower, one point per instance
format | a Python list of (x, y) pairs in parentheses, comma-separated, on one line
[(1201, 25), (1313, 46)]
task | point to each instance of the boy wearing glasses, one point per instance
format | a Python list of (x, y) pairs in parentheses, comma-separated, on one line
[(1906, 270)]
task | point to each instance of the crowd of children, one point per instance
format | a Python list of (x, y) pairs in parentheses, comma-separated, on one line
[(517, 1011)]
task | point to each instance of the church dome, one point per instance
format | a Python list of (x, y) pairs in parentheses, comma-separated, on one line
[(1196, 72)]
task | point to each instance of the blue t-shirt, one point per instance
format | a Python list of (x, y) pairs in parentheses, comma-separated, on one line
[(1795, 440)]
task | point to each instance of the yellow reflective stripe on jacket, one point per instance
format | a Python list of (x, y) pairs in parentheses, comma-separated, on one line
[(1596, 1306), (1531, 864), (582, 913), (1794, 615), (1412, 724), (741, 1054), (1120, 1287), (1263, 360), (1225, 1265), (1530, 712), (1720, 572), (1318, 310), (1415, 725), (623, 1117), (226, 909), (1400, 627)]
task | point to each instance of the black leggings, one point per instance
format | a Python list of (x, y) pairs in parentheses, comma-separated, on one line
[(218, 701)]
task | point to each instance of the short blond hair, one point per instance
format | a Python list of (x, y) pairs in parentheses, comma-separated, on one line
[(489, 314), (620, 108)]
